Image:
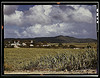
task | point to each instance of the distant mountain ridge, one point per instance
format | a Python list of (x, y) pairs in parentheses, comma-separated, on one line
[(58, 39)]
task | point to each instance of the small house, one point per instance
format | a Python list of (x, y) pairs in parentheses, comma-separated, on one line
[(23, 44), (15, 44), (31, 45)]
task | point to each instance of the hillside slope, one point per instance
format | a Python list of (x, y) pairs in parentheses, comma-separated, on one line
[(57, 39)]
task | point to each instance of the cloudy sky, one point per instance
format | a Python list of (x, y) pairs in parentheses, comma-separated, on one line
[(29, 21)]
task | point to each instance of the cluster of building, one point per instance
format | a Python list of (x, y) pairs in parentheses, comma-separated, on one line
[(18, 44), (31, 43)]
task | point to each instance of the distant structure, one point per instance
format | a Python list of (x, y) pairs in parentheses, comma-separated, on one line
[(31, 41), (23, 44), (31, 44), (76, 48), (16, 44)]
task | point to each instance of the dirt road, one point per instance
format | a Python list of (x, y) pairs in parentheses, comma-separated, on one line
[(87, 71)]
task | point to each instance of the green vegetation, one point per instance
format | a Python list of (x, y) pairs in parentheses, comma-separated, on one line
[(50, 59), (79, 45)]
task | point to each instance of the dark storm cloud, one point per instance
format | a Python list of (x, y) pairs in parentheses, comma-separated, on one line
[(9, 9), (64, 7)]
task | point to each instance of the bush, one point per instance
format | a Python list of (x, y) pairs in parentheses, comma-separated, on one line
[(51, 59), (88, 46), (62, 61), (54, 46), (7, 67), (65, 46), (60, 45), (72, 46)]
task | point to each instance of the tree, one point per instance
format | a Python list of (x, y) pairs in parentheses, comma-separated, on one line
[(27, 45), (88, 46), (60, 45), (34, 43), (39, 44), (45, 42), (65, 46), (72, 46), (54, 46)]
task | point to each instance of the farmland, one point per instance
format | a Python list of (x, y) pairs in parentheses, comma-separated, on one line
[(49, 59), (78, 44)]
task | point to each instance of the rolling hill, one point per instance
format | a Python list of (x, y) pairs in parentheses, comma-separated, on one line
[(57, 39)]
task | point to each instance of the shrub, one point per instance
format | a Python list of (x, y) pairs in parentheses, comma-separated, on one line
[(88, 46), (65, 46), (52, 59), (62, 61), (72, 46), (60, 45), (7, 67)]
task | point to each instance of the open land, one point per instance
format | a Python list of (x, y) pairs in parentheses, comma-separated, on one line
[(50, 61)]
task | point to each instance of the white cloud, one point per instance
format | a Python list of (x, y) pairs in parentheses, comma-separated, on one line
[(74, 6), (38, 14), (14, 19), (24, 33), (50, 20), (74, 33), (83, 15), (84, 31), (49, 14), (47, 30), (34, 29), (17, 33), (47, 9)]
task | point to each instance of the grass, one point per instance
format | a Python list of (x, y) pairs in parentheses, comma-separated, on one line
[(49, 59), (77, 44)]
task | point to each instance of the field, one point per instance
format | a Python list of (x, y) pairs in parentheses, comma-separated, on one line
[(44, 59), (94, 45)]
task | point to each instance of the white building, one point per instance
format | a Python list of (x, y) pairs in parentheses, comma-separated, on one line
[(31, 41), (45, 45), (15, 44), (23, 44), (31, 45), (76, 48)]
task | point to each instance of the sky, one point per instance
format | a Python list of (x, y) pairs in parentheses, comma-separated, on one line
[(30, 21)]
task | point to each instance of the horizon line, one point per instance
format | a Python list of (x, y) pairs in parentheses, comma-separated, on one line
[(51, 36)]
